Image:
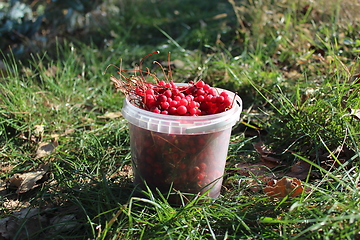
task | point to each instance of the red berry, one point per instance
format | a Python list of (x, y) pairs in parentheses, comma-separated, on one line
[(212, 91), (168, 93), (155, 110), (181, 95), (200, 92), (208, 98), (177, 98), (181, 110), (192, 111), (173, 85), (149, 91), (200, 98), (206, 87), (175, 91), (202, 165), (162, 98), (172, 110), (224, 94), (200, 84), (192, 104), (174, 103), (227, 102), (165, 105), (201, 176), (139, 91), (220, 99), (183, 102), (149, 98)]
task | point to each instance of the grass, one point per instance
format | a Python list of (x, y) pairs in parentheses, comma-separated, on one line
[(292, 64)]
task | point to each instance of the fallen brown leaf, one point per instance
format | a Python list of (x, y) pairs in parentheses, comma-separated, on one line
[(62, 223), (26, 181), (15, 225), (125, 171), (15, 204), (355, 113), (261, 173), (38, 130), (284, 187), (299, 170), (111, 115), (262, 149), (248, 169), (270, 162), (5, 169), (264, 153), (45, 149)]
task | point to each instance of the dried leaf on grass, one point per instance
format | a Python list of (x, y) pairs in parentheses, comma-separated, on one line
[(111, 115), (5, 169), (125, 171), (9, 226), (261, 173), (284, 187), (45, 149), (355, 113), (264, 153), (248, 169), (28, 221), (38, 130), (27, 181), (300, 170), (62, 223), (66, 132)]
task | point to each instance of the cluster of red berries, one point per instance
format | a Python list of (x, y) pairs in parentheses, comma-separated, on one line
[(196, 99)]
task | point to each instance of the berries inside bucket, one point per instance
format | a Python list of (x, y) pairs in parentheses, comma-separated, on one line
[(196, 99), (166, 97)]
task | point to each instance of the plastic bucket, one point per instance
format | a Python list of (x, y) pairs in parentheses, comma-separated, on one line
[(184, 154)]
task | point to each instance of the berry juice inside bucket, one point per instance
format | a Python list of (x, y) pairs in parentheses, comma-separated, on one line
[(184, 154)]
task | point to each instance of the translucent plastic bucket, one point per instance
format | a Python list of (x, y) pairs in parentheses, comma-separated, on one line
[(184, 154)]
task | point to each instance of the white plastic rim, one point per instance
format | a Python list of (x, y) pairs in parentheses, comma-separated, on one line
[(183, 125)]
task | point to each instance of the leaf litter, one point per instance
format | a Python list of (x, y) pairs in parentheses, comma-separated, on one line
[(266, 178), (44, 149), (24, 182), (284, 187), (23, 220), (26, 222)]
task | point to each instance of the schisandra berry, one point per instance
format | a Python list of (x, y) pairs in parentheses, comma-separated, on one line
[(172, 110), (174, 103), (162, 98), (165, 105), (200, 84), (183, 102), (177, 98), (181, 110), (195, 100), (168, 93), (149, 91)]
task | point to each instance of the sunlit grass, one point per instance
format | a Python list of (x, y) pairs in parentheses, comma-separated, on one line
[(292, 66)]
